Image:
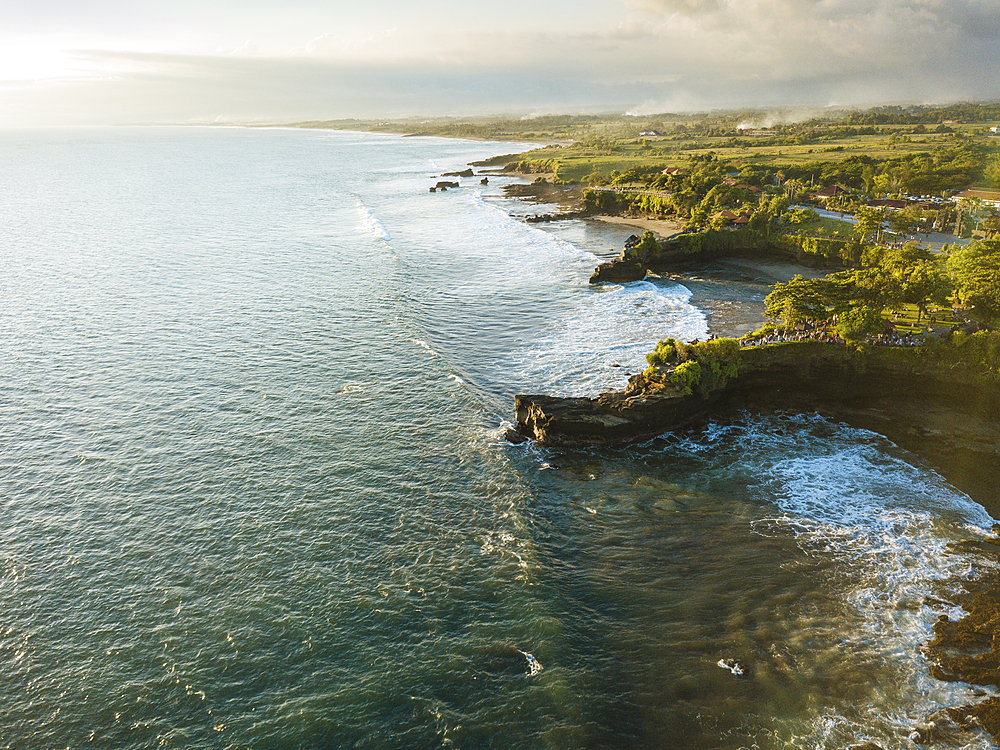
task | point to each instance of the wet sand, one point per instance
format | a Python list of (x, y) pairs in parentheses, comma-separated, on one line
[(731, 292), (662, 228)]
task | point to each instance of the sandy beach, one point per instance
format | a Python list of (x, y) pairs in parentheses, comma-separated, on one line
[(731, 291), (662, 228)]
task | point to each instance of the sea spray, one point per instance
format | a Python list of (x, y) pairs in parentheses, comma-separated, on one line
[(606, 337)]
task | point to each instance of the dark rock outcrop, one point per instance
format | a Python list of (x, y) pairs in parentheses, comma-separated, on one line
[(542, 218), (968, 649), (644, 409), (685, 248), (463, 173), (514, 437), (618, 271)]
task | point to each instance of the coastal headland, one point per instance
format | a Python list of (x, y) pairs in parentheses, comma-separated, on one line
[(936, 400), (683, 248), (935, 406), (860, 268)]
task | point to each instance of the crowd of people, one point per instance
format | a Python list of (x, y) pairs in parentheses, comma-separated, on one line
[(895, 339), (829, 337), (785, 336)]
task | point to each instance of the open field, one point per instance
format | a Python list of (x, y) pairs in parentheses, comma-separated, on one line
[(575, 162), (824, 227), (904, 318), (579, 146)]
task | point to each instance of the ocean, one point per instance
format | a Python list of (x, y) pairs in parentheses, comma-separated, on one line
[(255, 491)]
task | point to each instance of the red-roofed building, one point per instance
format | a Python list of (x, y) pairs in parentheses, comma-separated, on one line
[(891, 203), (826, 193), (984, 194), (727, 218)]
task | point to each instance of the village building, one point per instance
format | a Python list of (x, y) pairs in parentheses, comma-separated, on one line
[(825, 194), (732, 220), (987, 196), (732, 182), (893, 204)]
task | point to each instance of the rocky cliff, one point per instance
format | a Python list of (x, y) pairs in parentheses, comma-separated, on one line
[(686, 248), (940, 410)]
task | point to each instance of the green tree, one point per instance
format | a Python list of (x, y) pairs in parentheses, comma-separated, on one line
[(869, 221), (975, 270), (902, 221), (991, 224), (799, 300), (925, 285), (646, 247), (901, 260), (991, 171), (858, 322), (876, 288)]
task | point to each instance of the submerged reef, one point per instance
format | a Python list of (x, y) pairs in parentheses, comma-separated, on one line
[(929, 401), (968, 650)]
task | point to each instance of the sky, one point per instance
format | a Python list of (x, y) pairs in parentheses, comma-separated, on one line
[(70, 62)]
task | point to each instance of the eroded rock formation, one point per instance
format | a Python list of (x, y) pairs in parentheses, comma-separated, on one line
[(941, 412)]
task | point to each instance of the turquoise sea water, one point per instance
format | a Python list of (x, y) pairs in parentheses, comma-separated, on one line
[(254, 494)]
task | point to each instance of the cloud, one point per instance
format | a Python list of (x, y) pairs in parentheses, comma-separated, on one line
[(663, 55), (379, 44), (798, 41), (249, 48), (687, 7)]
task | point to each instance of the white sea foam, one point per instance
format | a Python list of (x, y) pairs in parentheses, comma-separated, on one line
[(841, 476), (733, 666), (530, 243), (534, 667), (596, 335), (422, 344), (607, 336), (352, 388), (371, 224), (851, 497)]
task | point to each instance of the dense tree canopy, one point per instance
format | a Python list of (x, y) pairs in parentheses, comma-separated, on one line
[(975, 270)]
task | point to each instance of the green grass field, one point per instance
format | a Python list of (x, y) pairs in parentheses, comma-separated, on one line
[(904, 318), (575, 162), (824, 227), (582, 145)]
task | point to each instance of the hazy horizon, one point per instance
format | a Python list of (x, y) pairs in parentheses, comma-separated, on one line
[(111, 62)]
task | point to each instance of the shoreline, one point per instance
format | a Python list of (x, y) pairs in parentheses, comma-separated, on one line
[(663, 229), (730, 291), (775, 272)]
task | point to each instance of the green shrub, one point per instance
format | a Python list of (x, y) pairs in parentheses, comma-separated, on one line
[(850, 252), (980, 350), (686, 377), (664, 355), (701, 366)]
